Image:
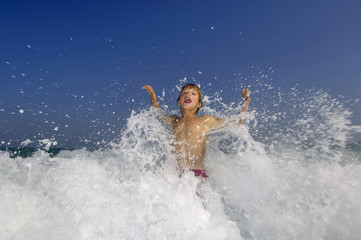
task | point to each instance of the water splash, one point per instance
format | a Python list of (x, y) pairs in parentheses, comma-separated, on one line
[(287, 173)]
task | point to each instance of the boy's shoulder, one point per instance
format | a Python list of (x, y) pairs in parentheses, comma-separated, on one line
[(207, 118), (211, 121)]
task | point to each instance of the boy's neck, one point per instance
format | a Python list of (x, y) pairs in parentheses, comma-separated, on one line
[(188, 114)]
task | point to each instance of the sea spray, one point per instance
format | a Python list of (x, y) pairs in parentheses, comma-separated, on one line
[(298, 180), (284, 174), (131, 191)]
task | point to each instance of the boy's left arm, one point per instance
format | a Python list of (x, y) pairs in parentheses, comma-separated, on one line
[(218, 122)]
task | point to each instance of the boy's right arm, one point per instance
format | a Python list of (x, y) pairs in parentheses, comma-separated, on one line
[(153, 98)]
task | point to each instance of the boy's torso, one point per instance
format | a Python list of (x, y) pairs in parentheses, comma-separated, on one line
[(190, 135)]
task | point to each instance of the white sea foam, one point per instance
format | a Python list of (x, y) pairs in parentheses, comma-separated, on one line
[(301, 183)]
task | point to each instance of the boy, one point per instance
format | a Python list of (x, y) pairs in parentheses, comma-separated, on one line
[(190, 132)]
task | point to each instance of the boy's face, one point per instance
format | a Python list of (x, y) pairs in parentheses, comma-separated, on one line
[(189, 99)]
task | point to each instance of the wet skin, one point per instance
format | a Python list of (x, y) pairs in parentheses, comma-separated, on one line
[(189, 131)]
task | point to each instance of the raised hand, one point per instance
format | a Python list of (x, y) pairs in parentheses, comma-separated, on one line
[(245, 93), (148, 88), (153, 97), (247, 100)]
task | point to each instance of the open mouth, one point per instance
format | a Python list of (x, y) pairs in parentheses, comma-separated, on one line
[(187, 100)]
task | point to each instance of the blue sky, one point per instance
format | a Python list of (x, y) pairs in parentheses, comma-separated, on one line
[(72, 70)]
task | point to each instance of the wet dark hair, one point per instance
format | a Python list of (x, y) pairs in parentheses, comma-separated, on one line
[(193, 86)]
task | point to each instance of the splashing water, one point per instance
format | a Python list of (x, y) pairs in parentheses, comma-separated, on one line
[(289, 174)]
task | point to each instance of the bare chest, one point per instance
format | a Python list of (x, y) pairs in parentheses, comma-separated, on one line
[(189, 130)]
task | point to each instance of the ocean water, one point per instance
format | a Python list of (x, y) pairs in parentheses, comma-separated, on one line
[(292, 171)]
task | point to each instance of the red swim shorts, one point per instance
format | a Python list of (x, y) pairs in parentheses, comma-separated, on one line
[(199, 173)]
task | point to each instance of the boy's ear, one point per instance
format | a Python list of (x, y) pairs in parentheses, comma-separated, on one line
[(178, 103)]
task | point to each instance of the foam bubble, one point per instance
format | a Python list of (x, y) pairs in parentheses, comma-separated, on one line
[(270, 184)]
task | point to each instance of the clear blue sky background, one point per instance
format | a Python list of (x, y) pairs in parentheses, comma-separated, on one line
[(72, 70)]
